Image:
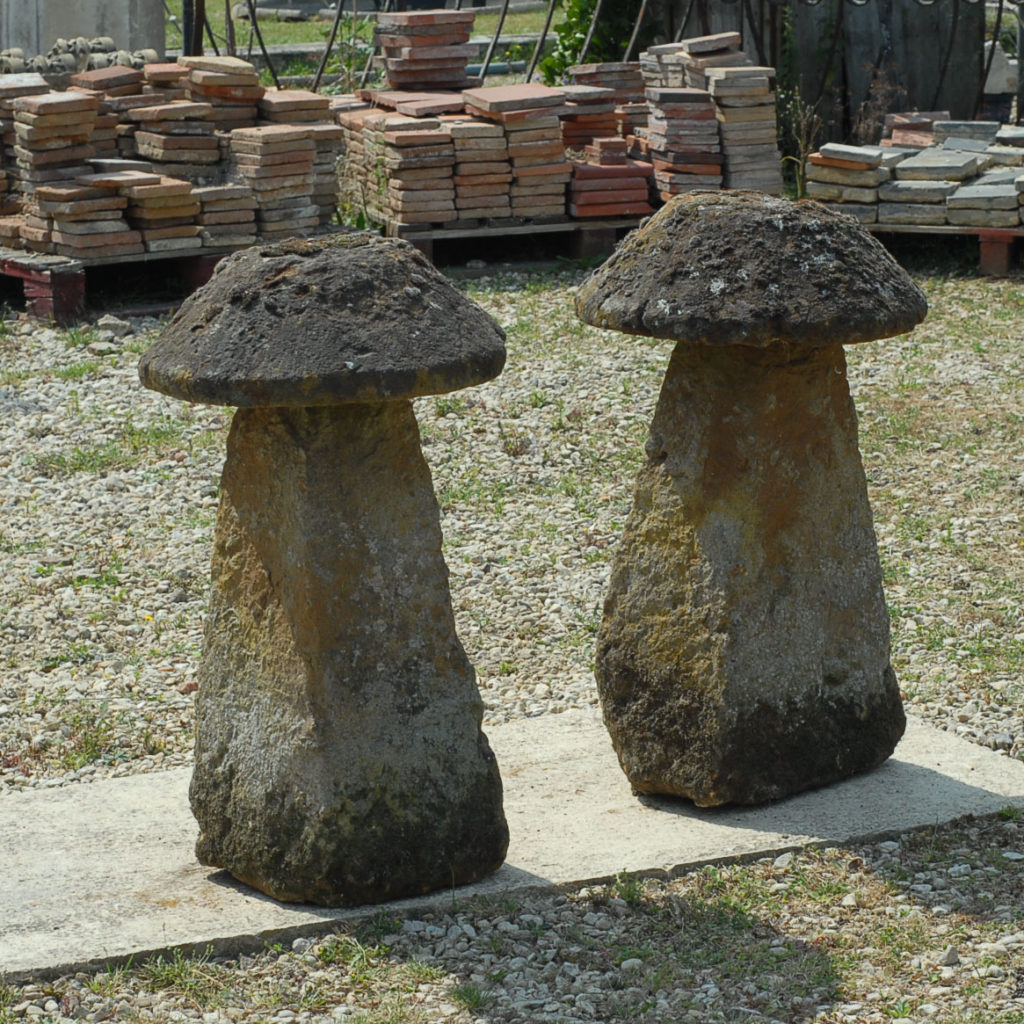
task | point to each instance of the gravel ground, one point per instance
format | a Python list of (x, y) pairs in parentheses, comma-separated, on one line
[(108, 496)]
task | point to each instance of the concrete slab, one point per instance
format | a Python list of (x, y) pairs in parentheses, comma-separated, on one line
[(96, 873)]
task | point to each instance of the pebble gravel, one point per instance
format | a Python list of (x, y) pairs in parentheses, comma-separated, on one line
[(108, 497)]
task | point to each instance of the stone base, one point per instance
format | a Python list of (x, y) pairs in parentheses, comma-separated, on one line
[(744, 651), (339, 751)]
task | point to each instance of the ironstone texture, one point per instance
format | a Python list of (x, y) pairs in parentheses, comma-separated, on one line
[(744, 650)]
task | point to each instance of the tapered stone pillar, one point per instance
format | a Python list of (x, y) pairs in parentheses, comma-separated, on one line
[(744, 650)]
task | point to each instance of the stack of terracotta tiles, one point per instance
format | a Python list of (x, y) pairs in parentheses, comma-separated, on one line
[(745, 107), (425, 49), (530, 116), (912, 129), (164, 210), (166, 79), (230, 85), (665, 65), (483, 172), (313, 112), (356, 178), (108, 83), (701, 53), (609, 184), (629, 117), (327, 142), (410, 162), (174, 134), (53, 137), (227, 216), (626, 82), (684, 146), (624, 79), (276, 163), (590, 114), (11, 87), (294, 106), (79, 220)]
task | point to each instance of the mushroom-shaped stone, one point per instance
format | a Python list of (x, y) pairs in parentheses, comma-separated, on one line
[(744, 649), (339, 751)]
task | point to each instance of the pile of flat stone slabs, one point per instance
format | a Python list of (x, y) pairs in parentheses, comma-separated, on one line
[(97, 873)]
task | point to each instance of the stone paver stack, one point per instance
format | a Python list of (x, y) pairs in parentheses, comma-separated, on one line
[(982, 132), (230, 84), (848, 175), (932, 187), (425, 49), (483, 173), (276, 163), (227, 216), (410, 162), (745, 107), (530, 116), (53, 137), (590, 113), (990, 201), (610, 186), (683, 140)]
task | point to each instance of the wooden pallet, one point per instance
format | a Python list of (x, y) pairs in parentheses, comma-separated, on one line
[(588, 239), (55, 286), (995, 244)]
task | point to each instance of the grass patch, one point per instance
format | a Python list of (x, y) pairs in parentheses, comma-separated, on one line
[(134, 446)]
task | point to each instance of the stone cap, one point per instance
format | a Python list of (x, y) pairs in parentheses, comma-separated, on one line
[(345, 318), (743, 268)]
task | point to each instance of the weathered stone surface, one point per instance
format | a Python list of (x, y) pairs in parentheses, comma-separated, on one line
[(871, 178), (983, 197), (943, 164), (345, 318), (976, 218), (911, 213), (339, 754), (841, 193), (916, 191), (863, 213), (727, 268), (744, 651)]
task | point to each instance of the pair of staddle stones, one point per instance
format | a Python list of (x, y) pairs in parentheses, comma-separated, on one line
[(744, 651)]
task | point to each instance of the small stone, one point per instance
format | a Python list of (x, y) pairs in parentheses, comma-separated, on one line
[(950, 957), (632, 964), (301, 945), (114, 324), (783, 861)]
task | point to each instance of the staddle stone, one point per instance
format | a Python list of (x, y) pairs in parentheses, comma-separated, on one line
[(744, 649), (339, 752)]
